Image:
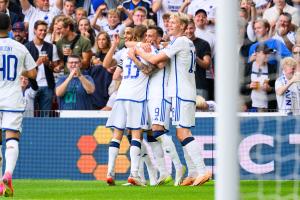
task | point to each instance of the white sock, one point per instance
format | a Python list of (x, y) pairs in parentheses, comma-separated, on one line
[(113, 152), (192, 170), (135, 155), (170, 149), (11, 155), (194, 152), (152, 172), (1, 161), (158, 154), (141, 169)]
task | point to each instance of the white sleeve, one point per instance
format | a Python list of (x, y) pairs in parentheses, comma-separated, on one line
[(28, 13), (250, 32), (174, 47), (55, 54), (29, 62)]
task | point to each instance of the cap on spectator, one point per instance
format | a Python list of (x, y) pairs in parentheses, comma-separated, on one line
[(201, 11), (18, 26), (261, 3), (264, 48)]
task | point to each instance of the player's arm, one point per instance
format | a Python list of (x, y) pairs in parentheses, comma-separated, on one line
[(159, 59), (145, 68), (30, 73)]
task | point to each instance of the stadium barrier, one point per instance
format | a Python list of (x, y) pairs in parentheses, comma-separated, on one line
[(72, 147)]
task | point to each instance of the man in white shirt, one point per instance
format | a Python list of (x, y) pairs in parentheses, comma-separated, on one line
[(40, 12), (272, 14), (15, 61), (47, 60)]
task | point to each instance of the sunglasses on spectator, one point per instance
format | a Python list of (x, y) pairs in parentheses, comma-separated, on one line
[(296, 52)]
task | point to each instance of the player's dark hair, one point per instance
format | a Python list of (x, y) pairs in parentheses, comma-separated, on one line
[(5, 21), (40, 22), (158, 30)]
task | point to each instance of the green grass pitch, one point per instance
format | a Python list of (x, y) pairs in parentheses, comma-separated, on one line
[(65, 189)]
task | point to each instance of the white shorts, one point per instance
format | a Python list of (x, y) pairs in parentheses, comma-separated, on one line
[(128, 115), (11, 121), (159, 112), (183, 113)]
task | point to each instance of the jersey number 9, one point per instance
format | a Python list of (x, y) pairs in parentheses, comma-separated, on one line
[(8, 67)]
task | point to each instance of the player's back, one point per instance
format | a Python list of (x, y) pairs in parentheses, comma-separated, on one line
[(134, 82), (13, 58), (182, 68)]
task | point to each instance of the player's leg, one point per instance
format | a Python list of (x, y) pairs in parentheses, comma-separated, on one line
[(11, 124), (117, 120), (113, 152), (185, 119), (135, 156), (159, 126), (152, 172), (158, 153), (192, 170)]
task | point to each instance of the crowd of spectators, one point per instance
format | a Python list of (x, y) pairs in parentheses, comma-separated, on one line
[(94, 32)]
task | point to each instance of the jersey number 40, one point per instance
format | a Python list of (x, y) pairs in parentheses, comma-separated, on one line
[(8, 67)]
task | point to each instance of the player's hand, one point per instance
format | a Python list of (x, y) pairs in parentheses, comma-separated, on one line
[(131, 53), (146, 47)]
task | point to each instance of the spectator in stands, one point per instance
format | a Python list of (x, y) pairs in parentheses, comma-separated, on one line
[(13, 16), (85, 29), (113, 24), (259, 82), (72, 43), (139, 16), (296, 56), (272, 14), (131, 5), (99, 19), (29, 92), (19, 33), (54, 30), (69, 8), (161, 7), (74, 90), (284, 31), (288, 88), (209, 6), (40, 12), (100, 75), (262, 28), (80, 13), (47, 60), (203, 60)]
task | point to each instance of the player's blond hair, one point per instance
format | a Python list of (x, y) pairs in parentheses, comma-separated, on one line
[(183, 18)]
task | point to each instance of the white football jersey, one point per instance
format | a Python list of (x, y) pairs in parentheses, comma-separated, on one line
[(181, 84), (134, 82), (158, 84), (14, 58)]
